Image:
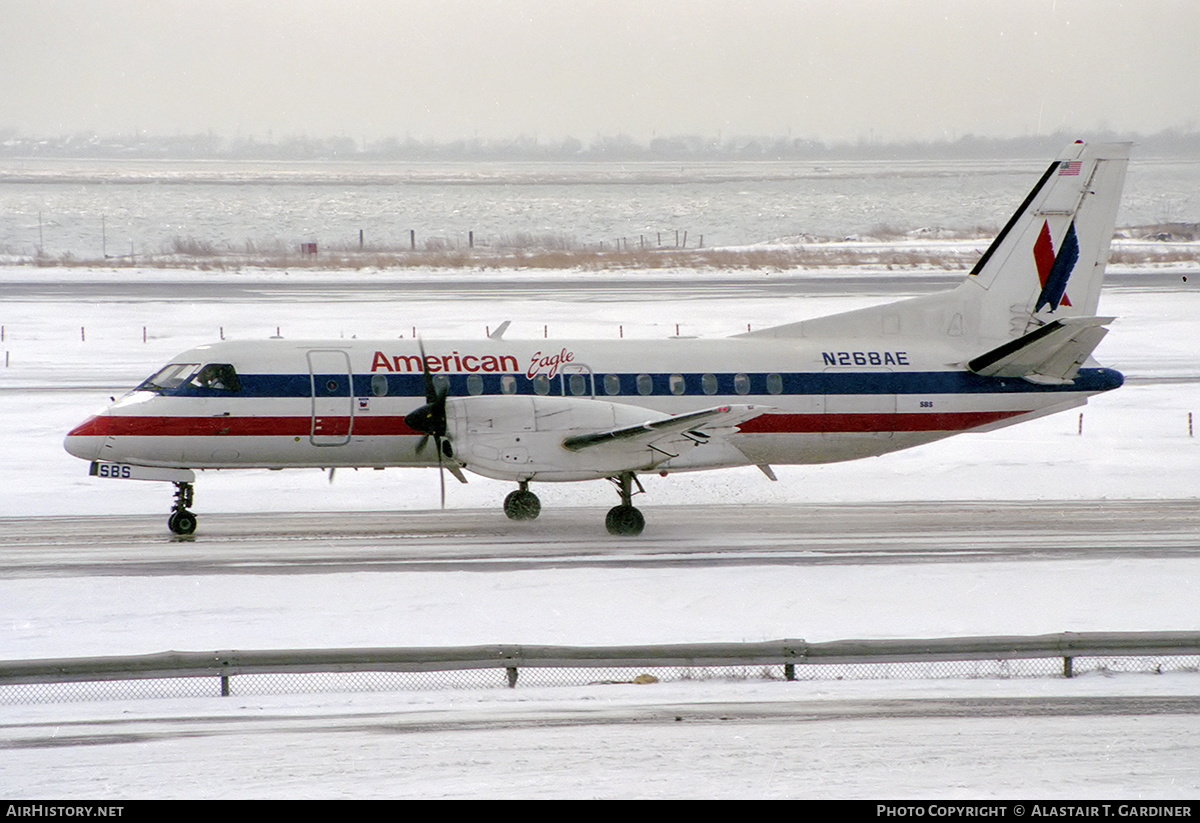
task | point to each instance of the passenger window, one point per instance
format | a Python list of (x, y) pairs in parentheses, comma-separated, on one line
[(708, 382), (677, 383), (579, 384), (379, 385), (612, 384), (218, 376), (741, 384), (645, 384), (508, 384), (541, 384), (441, 383), (774, 384), (474, 384)]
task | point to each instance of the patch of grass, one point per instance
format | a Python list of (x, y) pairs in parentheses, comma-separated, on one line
[(776, 257), (548, 252)]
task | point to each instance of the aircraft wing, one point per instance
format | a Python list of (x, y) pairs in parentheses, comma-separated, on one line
[(670, 434), (1049, 354)]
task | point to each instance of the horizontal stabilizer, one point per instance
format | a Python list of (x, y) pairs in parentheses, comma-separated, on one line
[(1051, 353), (693, 427)]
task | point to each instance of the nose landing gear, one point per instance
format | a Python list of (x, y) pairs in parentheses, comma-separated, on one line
[(182, 521)]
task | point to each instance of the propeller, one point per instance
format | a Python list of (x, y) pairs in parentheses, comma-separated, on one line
[(430, 419)]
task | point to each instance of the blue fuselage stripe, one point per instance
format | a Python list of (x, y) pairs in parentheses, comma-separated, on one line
[(662, 384)]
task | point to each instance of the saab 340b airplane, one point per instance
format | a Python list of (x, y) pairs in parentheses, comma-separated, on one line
[(1012, 342)]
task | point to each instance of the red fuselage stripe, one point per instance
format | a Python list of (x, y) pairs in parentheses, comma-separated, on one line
[(367, 425), (106, 425), (872, 422)]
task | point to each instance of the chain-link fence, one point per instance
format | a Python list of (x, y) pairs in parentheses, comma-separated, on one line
[(381, 670)]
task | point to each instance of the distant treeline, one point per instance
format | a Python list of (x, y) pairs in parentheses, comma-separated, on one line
[(209, 146)]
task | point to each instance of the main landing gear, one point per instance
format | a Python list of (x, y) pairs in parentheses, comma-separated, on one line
[(620, 520), (625, 519), (522, 504), (182, 521)]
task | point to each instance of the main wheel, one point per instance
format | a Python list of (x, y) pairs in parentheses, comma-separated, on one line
[(624, 520), (522, 505), (182, 522)]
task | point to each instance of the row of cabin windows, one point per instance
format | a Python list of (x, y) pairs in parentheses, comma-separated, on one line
[(223, 377), (580, 385), (677, 384)]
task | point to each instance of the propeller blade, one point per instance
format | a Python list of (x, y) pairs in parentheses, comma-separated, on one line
[(441, 472), (430, 419), (431, 394)]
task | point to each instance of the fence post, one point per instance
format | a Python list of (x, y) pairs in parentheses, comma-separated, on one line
[(224, 685), (789, 671), (512, 676), (1068, 667)]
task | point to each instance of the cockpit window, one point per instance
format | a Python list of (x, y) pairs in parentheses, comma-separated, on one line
[(170, 377), (219, 376), (214, 376)]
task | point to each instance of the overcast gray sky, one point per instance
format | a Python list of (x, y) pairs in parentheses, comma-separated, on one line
[(444, 69)]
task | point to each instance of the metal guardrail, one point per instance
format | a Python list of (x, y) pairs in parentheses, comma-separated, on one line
[(512, 658)]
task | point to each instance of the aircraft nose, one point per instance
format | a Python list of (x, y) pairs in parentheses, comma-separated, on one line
[(84, 441)]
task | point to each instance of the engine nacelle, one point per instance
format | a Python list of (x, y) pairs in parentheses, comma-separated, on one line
[(520, 437)]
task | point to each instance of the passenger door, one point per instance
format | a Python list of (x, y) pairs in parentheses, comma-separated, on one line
[(332, 397)]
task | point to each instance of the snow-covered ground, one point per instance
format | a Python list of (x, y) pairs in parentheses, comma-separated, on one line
[(818, 739), (933, 739)]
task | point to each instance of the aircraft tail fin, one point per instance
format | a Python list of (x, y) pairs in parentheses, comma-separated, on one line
[(1046, 264)]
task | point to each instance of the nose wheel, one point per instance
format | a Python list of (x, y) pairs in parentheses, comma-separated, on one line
[(182, 521)]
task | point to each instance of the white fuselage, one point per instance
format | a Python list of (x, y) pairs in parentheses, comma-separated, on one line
[(340, 404)]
